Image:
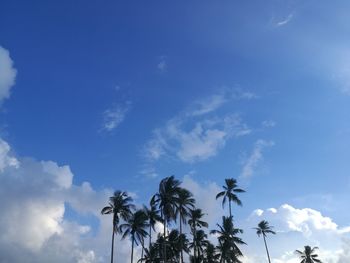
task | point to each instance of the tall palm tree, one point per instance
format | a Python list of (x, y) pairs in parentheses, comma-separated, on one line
[(195, 221), (153, 217), (228, 240), (185, 202), (308, 255), (120, 205), (229, 193), (262, 230), (135, 227), (166, 199)]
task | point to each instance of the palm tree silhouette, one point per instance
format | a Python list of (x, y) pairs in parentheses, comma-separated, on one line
[(198, 244), (153, 217), (184, 203), (262, 230), (121, 208), (135, 227), (166, 198), (195, 220), (308, 255), (228, 240), (229, 193), (211, 256)]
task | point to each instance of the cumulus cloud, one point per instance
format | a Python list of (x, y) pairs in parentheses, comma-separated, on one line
[(295, 228), (114, 116), (33, 223), (255, 157), (7, 74)]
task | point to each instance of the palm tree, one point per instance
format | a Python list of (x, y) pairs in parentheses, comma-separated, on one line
[(229, 193), (263, 229), (228, 240), (211, 256), (135, 227), (120, 206), (308, 255), (185, 202), (195, 220), (198, 244), (152, 254), (166, 198), (153, 217)]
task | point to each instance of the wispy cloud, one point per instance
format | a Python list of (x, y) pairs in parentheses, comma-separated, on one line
[(162, 65), (7, 74), (268, 124), (255, 157), (114, 116), (285, 21), (197, 133)]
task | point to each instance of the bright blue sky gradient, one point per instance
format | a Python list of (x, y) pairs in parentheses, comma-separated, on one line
[(156, 60)]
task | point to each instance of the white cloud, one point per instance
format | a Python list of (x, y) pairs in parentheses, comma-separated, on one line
[(255, 157), (113, 117), (7, 74), (296, 228), (197, 134), (198, 141), (268, 124), (33, 222), (162, 65), (285, 21)]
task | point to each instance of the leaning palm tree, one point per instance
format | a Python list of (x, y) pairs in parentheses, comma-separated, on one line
[(262, 230), (135, 227), (185, 202), (166, 199), (308, 255), (120, 205), (228, 240), (229, 193), (153, 217)]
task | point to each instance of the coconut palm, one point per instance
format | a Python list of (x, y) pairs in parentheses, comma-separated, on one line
[(120, 205), (308, 255), (262, 230), (228, 240), (198, 244), (153, 217), (135, 228), (211, 256), (229, 193), (195, 221), (185, 202), (166, 199), (152, 254)]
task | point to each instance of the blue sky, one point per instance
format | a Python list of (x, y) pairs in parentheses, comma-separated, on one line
[(125, 93)]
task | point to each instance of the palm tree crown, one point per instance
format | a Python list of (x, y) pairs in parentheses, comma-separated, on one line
[(229, 193), (308, 255), (120, 205)]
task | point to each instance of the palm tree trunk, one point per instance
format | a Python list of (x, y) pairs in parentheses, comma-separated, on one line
[(181, 252), (150, 236), (164, 245), (229, 204), (143, 247), (132, 249), (112, 250), (267, 251)]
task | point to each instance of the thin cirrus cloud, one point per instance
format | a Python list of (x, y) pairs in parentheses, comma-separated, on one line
[(194, 135), (7, 74), (285, 21), (255, 158), (114, 116)]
